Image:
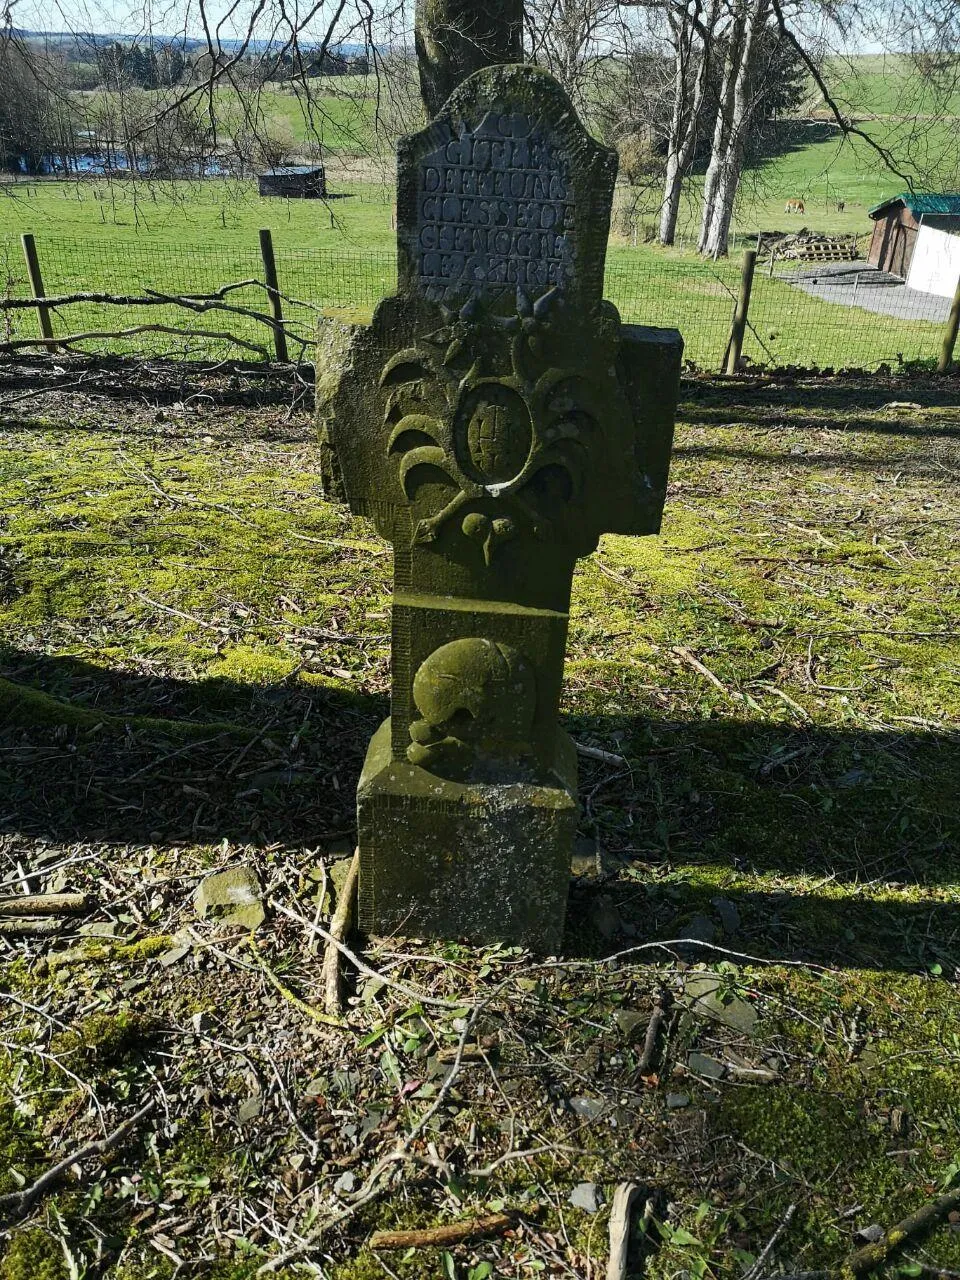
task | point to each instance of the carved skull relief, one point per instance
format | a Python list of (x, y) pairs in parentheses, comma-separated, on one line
[(477, 701)]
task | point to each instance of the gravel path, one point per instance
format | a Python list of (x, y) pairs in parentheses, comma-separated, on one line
[(857, 284)]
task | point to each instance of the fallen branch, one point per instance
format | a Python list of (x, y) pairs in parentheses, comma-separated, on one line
[(874, 1255), (606, 757), (771, 1244), (199, 304), (29, 928), (698, 666), (99, 334), (660, 1013), (455, 1233), (44, 904), (19, 1203), (339, 929), (623, 1198), (315, 1015), (150, 299), (420, 997)]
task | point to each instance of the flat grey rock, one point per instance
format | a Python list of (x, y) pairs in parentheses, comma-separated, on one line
[(589, 1108), (585, 1196), (701, 928), (231, 896), (631, 1023), (728, 915), (871, 1234), (703, 991), (702, 1065)]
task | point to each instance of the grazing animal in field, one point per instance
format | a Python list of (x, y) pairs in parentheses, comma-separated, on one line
[(841, 205), (794, 206)]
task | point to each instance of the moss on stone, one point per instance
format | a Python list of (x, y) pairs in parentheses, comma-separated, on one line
[(107, 1038), (20, 1145), (32, 1255)]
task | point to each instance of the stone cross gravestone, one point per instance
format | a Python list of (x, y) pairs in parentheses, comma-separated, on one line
[(494, 419)]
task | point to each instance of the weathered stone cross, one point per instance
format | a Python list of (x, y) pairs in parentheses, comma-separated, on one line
[(494, 419)]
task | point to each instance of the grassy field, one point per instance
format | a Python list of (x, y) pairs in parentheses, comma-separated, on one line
[(886, 84), (340, 257), (339, 114), (187, 236), (195, 649)]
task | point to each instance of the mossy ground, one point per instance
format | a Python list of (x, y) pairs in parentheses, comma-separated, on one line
[(195, 651)]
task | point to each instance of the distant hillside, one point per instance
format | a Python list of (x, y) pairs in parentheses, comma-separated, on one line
[(86, 40), (883, 85)]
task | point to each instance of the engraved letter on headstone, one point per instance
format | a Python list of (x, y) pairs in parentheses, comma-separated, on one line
[(495, 210)]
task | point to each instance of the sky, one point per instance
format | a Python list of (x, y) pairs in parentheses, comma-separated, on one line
[(186, 17), (231, 19)]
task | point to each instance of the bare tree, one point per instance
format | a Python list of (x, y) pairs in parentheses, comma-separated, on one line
[(34, 120), (215, 103), (692, 31), (739, 94), (571, 38)]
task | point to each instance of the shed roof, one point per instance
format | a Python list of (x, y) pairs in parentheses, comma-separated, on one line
[(923, 203), (292, 171)]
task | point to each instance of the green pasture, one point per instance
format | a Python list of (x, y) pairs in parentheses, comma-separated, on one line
[(338, 113), (331, 271), (193, 236), (887, 84), (208, 213)]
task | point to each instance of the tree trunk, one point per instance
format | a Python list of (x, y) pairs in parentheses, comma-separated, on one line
[(686, 112), (721, 131), (672, 189), (730, 167), (454, 38)]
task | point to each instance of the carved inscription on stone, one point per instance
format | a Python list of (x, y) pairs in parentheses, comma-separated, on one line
[(495, 210)]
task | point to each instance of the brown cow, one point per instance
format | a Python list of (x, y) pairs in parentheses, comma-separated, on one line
[(794, 206)]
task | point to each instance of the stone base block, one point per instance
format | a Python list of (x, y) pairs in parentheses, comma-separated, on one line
[(481, 861)]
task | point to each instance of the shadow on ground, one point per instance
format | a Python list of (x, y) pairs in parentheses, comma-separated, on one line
[(841, 402), (820, 845)]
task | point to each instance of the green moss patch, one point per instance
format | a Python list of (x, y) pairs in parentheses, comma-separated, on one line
[(195, 653)]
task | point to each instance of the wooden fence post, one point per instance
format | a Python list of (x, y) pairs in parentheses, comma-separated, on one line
[(950, 334), (36, 284), (273, 293), (739, 326)]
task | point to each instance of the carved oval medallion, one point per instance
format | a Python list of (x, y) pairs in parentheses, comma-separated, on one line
[(495, 434)]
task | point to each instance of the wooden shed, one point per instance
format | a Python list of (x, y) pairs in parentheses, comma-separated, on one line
[(900, 222), (303, 182)]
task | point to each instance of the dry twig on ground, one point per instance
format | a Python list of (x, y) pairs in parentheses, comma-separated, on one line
[(453, 1233), (18, 1203), (651, 1041), (44, 904), (339, 929)]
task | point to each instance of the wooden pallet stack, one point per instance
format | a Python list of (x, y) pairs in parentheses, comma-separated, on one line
[(809, 247)]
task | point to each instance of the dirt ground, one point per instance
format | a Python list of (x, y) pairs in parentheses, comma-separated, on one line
[(754, 1017)]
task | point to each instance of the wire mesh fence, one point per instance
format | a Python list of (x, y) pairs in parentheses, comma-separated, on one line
[(829, 315)]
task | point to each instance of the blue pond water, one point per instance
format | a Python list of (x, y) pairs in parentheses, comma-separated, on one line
[(117, 164)]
